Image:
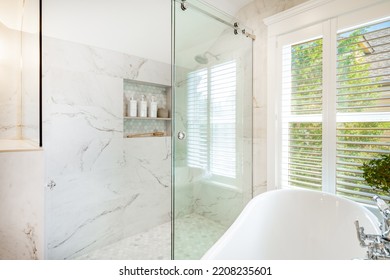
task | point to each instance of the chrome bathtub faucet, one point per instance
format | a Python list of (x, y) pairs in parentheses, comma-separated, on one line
[(385, 211), (378, 245)]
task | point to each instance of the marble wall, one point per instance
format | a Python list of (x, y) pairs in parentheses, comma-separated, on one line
[(19, 74), (101, 187), (21, 205), (29, 120), (10, 83), (252, 15)]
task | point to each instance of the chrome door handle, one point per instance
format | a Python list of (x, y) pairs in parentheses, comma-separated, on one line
[(181, 135)]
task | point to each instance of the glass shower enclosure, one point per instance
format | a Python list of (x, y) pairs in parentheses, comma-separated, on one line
[(212, 127)]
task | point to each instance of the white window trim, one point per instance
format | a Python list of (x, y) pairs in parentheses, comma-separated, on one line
[(341, 14)]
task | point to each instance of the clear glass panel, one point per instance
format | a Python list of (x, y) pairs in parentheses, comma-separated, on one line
[(212, 177)]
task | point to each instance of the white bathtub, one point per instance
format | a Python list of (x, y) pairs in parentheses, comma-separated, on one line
[(295, 224)]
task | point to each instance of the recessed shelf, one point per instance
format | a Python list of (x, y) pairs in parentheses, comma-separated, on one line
[(145, 126), (150, 134), (147, 118)]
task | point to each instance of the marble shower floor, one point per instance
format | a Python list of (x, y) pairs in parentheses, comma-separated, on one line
[(194, 235)]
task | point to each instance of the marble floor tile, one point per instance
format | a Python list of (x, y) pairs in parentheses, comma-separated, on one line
[(154, 244), (194, 235)]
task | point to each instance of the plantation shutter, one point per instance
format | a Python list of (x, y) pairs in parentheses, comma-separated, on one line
[(223, 119), (212, 119), (197, 119), (301, 115), (363, 105)]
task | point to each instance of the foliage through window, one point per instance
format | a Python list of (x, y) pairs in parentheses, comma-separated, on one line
[(301, 115), (362, 108), (363, 105)]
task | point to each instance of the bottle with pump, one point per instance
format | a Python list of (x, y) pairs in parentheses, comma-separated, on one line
[(143, 107), (132, 107), (153, 108)]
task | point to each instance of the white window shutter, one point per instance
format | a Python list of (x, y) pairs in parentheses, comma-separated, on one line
[(211, 112)]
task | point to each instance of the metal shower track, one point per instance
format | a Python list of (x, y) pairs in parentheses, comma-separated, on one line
[(236, 25)]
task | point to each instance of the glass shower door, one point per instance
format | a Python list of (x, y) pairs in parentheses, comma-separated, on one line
[(212, 128)]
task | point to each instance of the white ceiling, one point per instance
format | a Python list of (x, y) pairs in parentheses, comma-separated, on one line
[(141, 28)]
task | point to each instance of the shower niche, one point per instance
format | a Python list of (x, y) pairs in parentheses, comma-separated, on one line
[(141, 126)]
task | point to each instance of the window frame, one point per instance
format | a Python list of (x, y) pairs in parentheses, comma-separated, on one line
[(326, 18)]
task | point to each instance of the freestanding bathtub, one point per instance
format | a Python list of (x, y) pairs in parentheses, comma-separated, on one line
[(295, 224)]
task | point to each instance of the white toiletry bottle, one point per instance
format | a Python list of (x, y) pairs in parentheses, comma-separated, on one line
[(143, 108), (132, 107), (153, 108)]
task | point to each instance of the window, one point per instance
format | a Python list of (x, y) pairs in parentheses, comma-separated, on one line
[(363, 104), (358, 116), (211, 110), (302, 115)]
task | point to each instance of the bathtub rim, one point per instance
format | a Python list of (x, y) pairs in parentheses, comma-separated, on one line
[(214, 250)]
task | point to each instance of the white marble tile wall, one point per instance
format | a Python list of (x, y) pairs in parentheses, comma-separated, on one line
[(103, 187), (21, 205)]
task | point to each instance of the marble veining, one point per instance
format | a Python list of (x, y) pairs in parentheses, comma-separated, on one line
[(31, 237), (158, 178), (107, 187), (102, 62), (21, 205), (93, 219)]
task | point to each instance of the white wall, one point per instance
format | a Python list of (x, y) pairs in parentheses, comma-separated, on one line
[(107, 187), (21, 173), (19, 65), (11, 13), (140, 28), (10, 83), (21, 205)]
